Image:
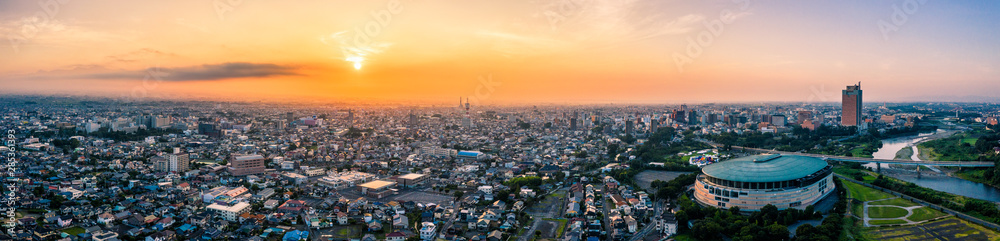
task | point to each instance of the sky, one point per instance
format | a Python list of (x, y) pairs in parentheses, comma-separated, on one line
[(498, 52)]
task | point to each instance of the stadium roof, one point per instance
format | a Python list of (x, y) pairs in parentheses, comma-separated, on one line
[(765, 168)]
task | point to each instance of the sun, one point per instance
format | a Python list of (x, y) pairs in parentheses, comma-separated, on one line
[(356, 60)]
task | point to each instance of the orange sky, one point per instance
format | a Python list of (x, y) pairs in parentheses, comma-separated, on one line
[(562, 51)]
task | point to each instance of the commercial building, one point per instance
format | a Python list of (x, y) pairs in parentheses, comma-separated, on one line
[(246, 165), (851, 113), (377, 188), (412, 179), (230, 213), (750, 183)]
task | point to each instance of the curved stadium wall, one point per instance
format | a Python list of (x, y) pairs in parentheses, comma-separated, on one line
[(750, 183)]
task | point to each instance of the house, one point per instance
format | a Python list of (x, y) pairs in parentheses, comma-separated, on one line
[(496, 235), (395, 236), (65, 221), (105, 218), (165, 235), (342, 218), (271, 204), (427, 231), (400, 222), (632, 225), (104, 236)]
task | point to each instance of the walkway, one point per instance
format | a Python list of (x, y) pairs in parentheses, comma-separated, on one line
[(909, 212)]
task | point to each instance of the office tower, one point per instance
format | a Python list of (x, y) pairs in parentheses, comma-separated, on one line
[(350, 118), (779, 120), (803, 116), (209, 129), (679, 116), (413, 122), (851, 111), (246, 165), (692, 118), (654, 125), (629, 127), (572, 123), (288, 117)]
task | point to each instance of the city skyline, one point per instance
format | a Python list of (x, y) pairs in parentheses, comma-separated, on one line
[(563, 52)]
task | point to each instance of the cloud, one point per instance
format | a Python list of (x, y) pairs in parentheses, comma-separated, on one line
[(206, 72)]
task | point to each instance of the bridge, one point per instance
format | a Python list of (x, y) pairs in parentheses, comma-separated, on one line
[(880, 161), (871, 160)]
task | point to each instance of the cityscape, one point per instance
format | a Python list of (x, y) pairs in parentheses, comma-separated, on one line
[(565, 120)]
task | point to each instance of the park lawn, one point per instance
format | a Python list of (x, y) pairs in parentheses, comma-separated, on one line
[(683, 237), (562, 225), (886, 212), (970, 140), (74, 231), (925, 213), (895, 201), (858, 152), (887, 222), (862, 193)]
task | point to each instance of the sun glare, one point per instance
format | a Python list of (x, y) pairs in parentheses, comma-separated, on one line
[(357, 61)]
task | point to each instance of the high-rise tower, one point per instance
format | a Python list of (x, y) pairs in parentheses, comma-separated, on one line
[(851, 113)]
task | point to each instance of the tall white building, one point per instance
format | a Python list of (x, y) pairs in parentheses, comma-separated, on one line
[(171, 163)]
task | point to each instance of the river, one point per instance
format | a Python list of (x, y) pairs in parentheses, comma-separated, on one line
[(942, 183)]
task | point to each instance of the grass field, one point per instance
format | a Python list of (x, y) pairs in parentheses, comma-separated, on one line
[(886, 212), (74, 231), (863, 193), (925, 213), (896, 202), (970, 140), (887, 222), (683, 237)]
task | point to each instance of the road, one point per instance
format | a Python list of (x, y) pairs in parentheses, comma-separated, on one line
[(454, 215), (650, 227)]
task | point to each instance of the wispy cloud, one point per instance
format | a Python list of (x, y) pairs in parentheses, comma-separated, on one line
[(205, 72)]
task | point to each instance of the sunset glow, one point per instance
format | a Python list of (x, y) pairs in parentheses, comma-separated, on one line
[(586, 51)]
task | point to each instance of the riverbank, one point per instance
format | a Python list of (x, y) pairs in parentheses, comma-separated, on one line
[(925, 154), (906, 153)]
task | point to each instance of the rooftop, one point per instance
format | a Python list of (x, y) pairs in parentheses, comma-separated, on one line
[(411, 176), (235, 208), (765, 168), (377, 184)]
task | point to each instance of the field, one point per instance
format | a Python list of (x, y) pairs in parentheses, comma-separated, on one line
[(886, 212), (895, 202), (74, 231), (863, 193), (946, 229), (925, 213)]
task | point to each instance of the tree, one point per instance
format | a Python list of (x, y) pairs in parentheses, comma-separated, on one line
[(458, 195), (560, 176)]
